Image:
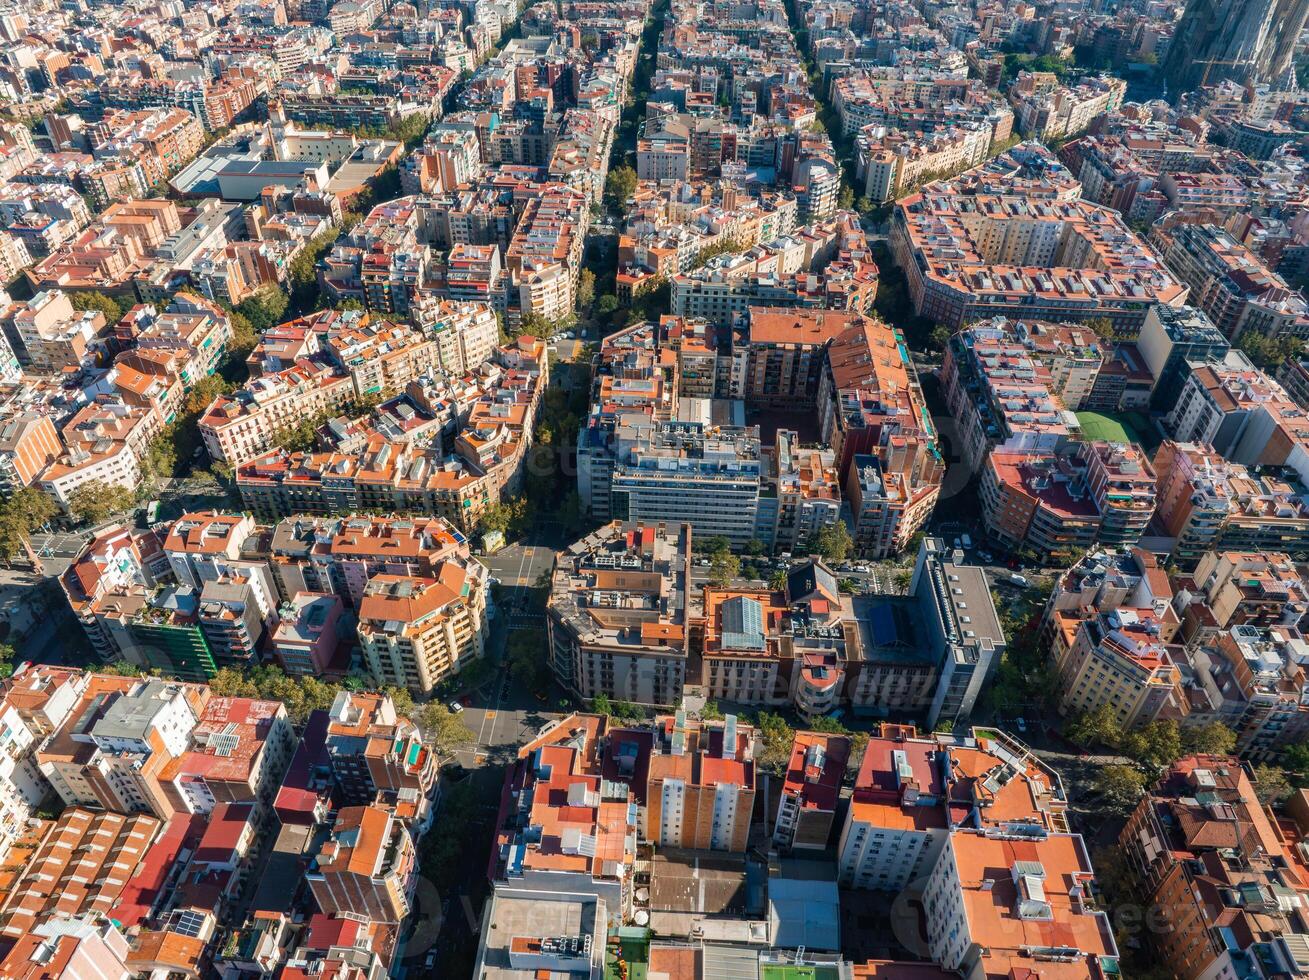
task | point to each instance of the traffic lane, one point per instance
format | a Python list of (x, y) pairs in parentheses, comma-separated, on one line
[(519, 566)]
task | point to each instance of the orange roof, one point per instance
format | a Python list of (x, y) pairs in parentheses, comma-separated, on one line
[(169, 950), (985, 868), (404, 598), (798, 326)]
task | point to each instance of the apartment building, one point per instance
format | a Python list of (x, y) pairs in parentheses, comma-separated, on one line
[(912, 792), (1040, 253), (795, 646), (890, 161), (1251, 679), (105, 441), (202, 546), (1218, 403), (1036, 501), (1100, 582), (99, 583), (995, 904), (785, 350), (1121, 483), (47, 334), (1173, 340), (386, 468), (38, 219), (34, 702), (1201, 846), (700, 785), (474, 273), (1250, 588), (955, 629), (1050, 112), (82, 946), (804, 482), (1210, 504), (367, 868), (81, 866), (307, 635), (806, 804), (194, 329), (824, 265), (241, 425), (694, 469), (572, 786), (417, 632), (29, 443), (161, 140), (654, 387), (918, 102), (543, 257), (617, 613), (341, 554), (114, 748), (240, 748), (1120, 659), (1233, 286), (450, 156), (999, 392), (14, 256), (378, 756), (872, 413), (466, 334)]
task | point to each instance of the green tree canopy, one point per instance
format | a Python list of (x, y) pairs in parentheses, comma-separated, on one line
[(110, 307), (203, 394), (1269, 353), (527, 652), (1100, 726), (244, 336), (620, 185), (1156, 744), (832, 542), (723, 567), (509, 517), (442, 729), (1120, 787), (585, 289), (1271, 784), (20, 515), (777, 738), (401, 698), (96, 501), (1214, 738), (265, 308)]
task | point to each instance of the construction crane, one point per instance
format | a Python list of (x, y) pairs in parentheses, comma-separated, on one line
[(1210, 62)]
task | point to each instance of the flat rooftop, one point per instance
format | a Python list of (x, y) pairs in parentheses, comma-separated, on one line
[(538, 915)]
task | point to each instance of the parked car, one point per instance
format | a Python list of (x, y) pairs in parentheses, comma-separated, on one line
[(456, 707)]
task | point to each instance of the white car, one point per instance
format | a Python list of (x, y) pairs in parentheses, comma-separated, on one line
[(456, 707)]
